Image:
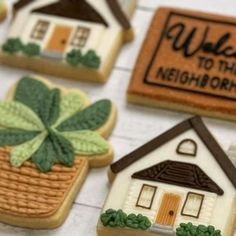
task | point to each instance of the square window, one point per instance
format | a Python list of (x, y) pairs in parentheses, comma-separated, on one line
[(40, 30), (146, 196), (193, 205), (80, 37)]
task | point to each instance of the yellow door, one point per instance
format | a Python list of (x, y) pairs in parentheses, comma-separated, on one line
[(59, 39), (168, 209)]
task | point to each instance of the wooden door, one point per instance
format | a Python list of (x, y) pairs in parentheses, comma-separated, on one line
[(59, 39), (168, 209)]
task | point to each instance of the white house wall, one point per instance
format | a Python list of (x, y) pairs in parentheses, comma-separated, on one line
[(22, 16), (94, 40), (204, 160), (103, 40), (129, 205)]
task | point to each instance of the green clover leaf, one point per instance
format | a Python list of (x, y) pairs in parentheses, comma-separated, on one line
[(18, 116), (86, 142), (47, 127)]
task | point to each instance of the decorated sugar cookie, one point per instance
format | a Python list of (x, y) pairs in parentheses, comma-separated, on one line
[(49, 139), (180, 183), (76, 39), (3, 10), (187, 63)]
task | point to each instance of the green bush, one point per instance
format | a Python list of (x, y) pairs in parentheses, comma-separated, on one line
[(90, 59), (74, 57), (12, 45), (31, 49), (201, 230), (113, 218)]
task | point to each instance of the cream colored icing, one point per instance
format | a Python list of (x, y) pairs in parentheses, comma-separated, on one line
[(215, 215), (103, 40)]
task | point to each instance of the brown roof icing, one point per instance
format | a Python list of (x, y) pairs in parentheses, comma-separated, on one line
[(180, 174), (21, 3), (78, 9), (195, 123)]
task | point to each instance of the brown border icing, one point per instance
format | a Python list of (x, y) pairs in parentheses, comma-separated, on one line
[(182, 174), (184, 153), (200, 208), (119, 14), (112, 4), (140, 193), (195, 123)]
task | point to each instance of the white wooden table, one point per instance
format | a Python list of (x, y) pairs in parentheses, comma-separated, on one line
[(136, 125)]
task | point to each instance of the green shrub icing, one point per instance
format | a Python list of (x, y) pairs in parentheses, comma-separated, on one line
[(201, 230), (90, 59), (74, 58), (31, 49), (113, 218), (12, 46)]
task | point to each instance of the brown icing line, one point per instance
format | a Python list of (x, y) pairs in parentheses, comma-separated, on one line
[(195, 123), (153, 196), (187, 154), (200, 208), (192, 176), (113, 5), (74, 9), (119, 14)]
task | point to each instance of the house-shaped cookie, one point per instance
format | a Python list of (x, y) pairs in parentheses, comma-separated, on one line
[(76, 39), (181, 181)]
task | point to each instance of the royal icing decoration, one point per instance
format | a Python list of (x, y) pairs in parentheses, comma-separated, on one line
[(178, 195), (190, 64), (48, 138), (69, 34)]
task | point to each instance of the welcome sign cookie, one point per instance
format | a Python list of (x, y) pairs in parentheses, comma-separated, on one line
[(49, 139), (188, 63)]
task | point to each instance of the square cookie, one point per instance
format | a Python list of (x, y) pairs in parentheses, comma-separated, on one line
[(187, 63)]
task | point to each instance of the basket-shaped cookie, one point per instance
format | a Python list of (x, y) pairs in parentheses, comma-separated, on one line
[(49, 139)]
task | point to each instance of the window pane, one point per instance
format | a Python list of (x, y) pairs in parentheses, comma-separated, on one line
[(80, 37), (193, 204), (40, 30), (146, 196)]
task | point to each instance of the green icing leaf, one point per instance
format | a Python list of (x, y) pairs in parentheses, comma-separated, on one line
[(13, 137), (45, 156), (24, 152), (91, 118), (31, 49), (19, 116), (63, 148), (50, 107), (12, 46), (31, 92), (70, 104), (87, 142)]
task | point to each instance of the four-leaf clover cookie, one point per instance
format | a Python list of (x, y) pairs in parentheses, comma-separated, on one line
[(49, 138)]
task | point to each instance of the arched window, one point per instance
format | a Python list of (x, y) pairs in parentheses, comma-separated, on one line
[(187, 147)]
